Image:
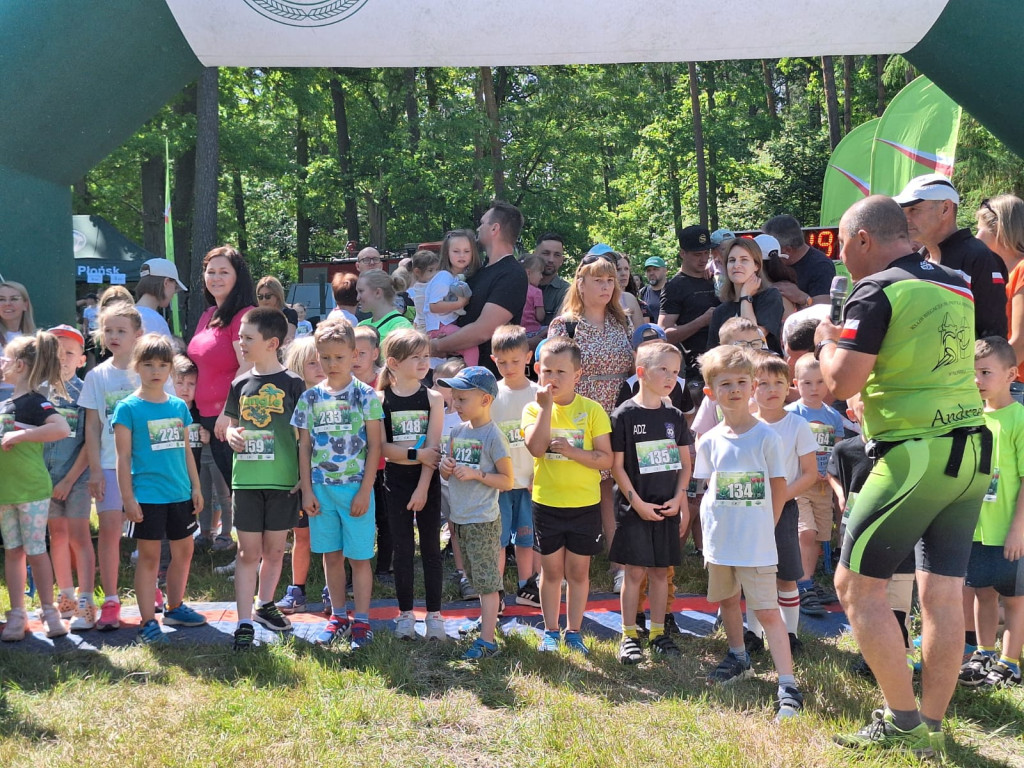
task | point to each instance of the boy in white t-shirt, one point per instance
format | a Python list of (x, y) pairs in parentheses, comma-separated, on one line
[(510, 351), (742, 460)]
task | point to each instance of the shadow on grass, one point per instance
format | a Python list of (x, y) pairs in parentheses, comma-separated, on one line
[(14, 724)]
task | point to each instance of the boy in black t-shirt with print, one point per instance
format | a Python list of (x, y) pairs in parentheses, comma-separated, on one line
[(651, 473)]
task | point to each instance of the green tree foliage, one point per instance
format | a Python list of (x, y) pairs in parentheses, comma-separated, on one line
[(598, 153)]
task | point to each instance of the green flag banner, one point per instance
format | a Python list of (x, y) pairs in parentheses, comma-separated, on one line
[(916, 135), (847, 177)]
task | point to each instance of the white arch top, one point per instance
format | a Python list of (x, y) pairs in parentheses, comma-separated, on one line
[(405, 33)]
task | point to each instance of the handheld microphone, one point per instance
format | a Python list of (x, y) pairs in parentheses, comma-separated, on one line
[(837, 293)]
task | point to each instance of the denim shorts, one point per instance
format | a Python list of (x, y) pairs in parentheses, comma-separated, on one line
[(516, 517)]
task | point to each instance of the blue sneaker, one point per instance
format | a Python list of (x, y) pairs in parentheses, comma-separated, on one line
[(480, 649), (362, 635), (550, 642), (337, 626), (184, 616), (151, 634), (574, 642), (294, 601), (326, 597)]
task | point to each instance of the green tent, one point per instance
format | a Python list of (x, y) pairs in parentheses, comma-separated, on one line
[(103, 254)]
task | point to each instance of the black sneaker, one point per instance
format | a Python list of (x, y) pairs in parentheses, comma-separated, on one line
[(1000, 676), (810, 605), (671, 628), (641, 625), (796, 645), (630, 650), (789, 702), (730, 669), (501, 603), (824, 596), (529, 593), (861, 668), (663, 645), (245, 638), (753, 643), (975, 671), (270, 616)]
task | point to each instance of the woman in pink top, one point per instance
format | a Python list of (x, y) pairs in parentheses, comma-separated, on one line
[(228, 288)]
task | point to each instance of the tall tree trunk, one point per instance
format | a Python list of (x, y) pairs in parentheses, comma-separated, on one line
[(303, 224), (813, 105), (711, 87), (183, 183), (238, 196), (847, 94), (879, 85), (152, 177), (607, 158), (430, 79), (493, 130), (479, 205), (769, 89), (344, 141), (375, 214), (412, 110), (204, 231), (698, 146), (831, 100)]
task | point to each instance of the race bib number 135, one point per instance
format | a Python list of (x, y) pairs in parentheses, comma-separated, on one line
[(658, 456)]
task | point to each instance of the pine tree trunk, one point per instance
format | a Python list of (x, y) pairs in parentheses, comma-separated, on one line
[(152, 177), (204, 232), (344, 141), (412, 112), (831, 100), (303, 224), (698, 146), (238, 197), (493, 131), (183, 185), (710, 88), (769, 89), (879, 85), (847, 94)]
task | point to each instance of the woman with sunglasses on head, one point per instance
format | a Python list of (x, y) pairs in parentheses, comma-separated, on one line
[(593, 317), (747, 292), (1001, 227), (270, 293)]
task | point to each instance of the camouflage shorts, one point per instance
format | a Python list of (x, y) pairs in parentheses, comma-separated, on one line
[(481, 552)]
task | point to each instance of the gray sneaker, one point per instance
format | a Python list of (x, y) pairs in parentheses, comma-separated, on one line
[(435, 629), (405, 626)]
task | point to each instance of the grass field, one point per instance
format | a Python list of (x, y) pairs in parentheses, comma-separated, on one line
[(396, 703)]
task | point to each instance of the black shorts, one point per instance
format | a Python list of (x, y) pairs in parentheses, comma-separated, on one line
[(787, 543), (645, 543), (577, 529), (988, 568), (173, 522), (256, 511)]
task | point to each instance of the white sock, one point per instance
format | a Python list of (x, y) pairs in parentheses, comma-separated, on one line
[(69, 592), (115, 598), (789, 605), (753, 625)]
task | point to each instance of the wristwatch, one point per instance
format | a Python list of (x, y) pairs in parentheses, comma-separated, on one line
[(411, 454), (810, 300), (821, 345), (747, 298)]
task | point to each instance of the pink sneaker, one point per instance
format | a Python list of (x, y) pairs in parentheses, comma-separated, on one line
[(17, 622), (51, 619), (110, 616)]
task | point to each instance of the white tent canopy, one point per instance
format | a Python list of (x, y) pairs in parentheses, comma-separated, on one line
[(407, 33)]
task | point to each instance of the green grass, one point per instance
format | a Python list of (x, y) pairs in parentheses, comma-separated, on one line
[(395, 703)]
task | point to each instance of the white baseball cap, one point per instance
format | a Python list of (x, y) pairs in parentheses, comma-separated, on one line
[(770, 247), (161, 268), (931, 186)]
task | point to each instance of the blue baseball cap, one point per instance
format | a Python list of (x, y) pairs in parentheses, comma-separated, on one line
[(474, 377), (648, 332), (719, 236), (599, 249)]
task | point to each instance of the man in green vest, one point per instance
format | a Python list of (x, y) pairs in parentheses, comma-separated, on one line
[(907, 345)]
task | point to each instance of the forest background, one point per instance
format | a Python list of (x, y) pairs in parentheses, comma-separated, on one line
[(290, 165)]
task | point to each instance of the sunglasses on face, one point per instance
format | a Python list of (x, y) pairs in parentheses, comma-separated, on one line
[(264, 296)]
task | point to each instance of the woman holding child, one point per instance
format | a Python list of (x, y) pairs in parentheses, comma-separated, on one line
[(229, 292), (593, 317)]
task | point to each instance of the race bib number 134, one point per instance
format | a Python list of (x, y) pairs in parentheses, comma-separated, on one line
[(740, 489)]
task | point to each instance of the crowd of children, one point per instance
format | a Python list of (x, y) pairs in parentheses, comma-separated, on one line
[(347, 449)]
